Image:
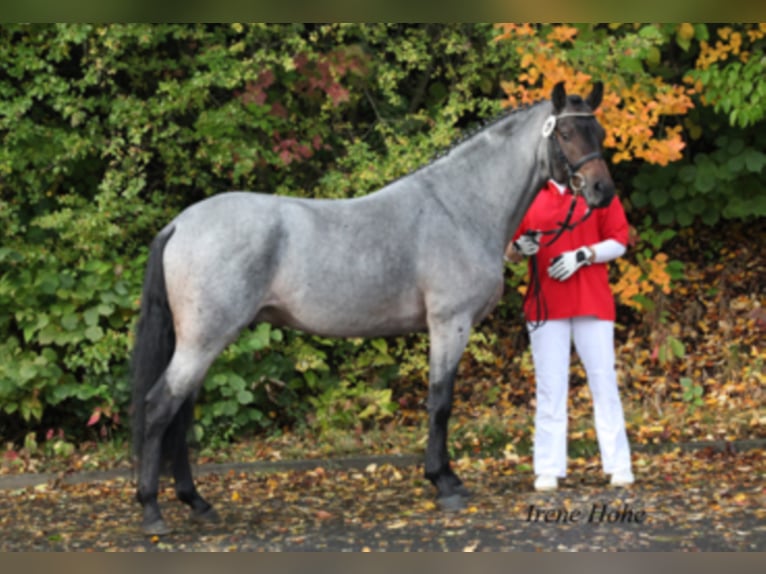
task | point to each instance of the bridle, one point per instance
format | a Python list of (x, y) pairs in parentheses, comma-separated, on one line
[(575, 179)]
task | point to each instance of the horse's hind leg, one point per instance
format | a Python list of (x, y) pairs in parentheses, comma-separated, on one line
[(186, 491), (160, 407), (177, 386), (448, 339)]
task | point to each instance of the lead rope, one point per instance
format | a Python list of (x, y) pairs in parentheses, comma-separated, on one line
[(534, 289)]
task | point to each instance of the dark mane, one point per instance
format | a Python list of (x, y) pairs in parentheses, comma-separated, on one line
[(470, 133), (481, 127)]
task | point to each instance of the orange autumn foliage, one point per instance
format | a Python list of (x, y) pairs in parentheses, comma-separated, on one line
[(729, 44), (647, 278), (631, 114)]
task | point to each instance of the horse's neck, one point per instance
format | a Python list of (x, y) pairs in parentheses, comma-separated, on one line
[(493, 177)]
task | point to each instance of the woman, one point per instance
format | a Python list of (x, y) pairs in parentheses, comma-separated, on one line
[(573, 302)]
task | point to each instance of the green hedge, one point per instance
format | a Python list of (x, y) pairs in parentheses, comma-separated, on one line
[(109, 130)]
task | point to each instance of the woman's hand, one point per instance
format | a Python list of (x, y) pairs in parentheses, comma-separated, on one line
[(565, 265)]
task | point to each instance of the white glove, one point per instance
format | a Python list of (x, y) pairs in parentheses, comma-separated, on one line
[(528, 244), (564, 266)]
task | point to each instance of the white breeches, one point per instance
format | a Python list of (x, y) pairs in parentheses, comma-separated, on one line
[(551, 349)]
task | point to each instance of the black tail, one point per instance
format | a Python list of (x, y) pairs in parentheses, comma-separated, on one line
[(153, 349)]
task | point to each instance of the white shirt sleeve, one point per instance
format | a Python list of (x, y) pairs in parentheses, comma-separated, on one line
[(607, 250)]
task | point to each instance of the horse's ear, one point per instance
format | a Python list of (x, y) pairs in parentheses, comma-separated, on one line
[(594, 99), (559, 97)]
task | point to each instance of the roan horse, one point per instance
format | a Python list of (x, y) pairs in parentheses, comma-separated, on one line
[(424, 252)]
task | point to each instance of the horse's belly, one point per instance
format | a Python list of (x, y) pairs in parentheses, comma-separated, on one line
[(344, 317)]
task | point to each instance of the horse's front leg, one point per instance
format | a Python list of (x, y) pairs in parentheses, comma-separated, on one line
[(447, 343)]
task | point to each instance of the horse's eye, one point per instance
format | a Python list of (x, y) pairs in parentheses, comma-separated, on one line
[(565, 135)]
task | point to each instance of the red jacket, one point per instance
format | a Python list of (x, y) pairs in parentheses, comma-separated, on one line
[(587, 292)]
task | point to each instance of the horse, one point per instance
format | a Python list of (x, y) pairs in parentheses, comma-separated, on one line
[(424, 252)]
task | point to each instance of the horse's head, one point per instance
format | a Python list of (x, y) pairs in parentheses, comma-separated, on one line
[(574, 148)]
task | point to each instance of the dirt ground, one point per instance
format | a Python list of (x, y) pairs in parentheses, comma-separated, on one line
[(693, 501)]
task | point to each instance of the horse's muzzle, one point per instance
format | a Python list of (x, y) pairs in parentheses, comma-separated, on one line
[(600, 194), (603, 193), (604, 201)]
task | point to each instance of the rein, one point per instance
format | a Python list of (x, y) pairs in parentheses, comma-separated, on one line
[(567, 224), (534, 290)]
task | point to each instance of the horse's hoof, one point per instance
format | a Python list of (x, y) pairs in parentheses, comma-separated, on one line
[(452, 503), (207, 516), (156, 528)]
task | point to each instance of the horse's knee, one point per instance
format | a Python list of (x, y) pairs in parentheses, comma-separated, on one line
[(440, 402), (440, 414)]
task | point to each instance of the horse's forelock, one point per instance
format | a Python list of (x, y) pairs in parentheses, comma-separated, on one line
[(575, 100)]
